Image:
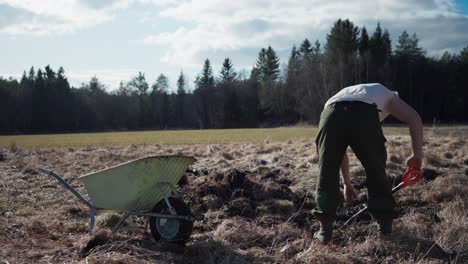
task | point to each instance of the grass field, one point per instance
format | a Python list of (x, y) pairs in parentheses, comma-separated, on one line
[(175, 137), (252, 200)]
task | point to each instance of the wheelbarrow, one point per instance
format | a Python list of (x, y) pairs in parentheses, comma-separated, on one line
[(143, 187)]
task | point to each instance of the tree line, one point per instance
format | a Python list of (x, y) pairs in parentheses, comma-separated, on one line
[(43, 101)]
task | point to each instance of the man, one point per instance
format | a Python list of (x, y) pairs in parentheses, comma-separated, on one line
[(352, 118)]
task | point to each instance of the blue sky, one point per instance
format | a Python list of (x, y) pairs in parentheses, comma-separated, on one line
[(115, 39)]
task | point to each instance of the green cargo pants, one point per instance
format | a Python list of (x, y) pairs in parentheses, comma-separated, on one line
[(357, 125)]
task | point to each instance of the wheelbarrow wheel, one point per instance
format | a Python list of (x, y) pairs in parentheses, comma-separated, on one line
[(171, 229)]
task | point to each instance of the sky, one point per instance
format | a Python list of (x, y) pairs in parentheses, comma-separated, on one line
[(116, 39)]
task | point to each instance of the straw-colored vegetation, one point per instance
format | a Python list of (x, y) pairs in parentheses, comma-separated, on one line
[(174, 137), (252, 200)]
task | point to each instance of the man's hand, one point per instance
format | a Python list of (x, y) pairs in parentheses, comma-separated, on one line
[(414, 162), (349, 193), (405, 113)]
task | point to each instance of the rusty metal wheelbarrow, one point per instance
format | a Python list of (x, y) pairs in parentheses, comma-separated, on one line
[(142, 187)]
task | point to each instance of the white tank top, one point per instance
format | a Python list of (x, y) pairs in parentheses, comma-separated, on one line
[(371, 93)]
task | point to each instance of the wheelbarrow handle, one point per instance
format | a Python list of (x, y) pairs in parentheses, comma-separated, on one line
[(72, 190)]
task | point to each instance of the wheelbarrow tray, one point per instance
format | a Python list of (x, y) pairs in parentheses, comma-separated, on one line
[(135, 185)]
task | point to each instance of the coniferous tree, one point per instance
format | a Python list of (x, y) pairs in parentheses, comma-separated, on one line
[(204, 92), (227, 74), (181, 104), (138, 84), (409, 61), (305, 49), (341, 50), (272, 65), (364, 56), (160, 102), (408, 46), (258, 71), (161, 84)]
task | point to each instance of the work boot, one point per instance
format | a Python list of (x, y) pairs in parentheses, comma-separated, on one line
[(325, 233), (385, 226)]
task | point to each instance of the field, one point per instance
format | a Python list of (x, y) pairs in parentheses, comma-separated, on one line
[(181, 137), (251, 190)]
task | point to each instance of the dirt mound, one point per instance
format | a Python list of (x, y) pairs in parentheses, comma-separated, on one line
[(260, 195)]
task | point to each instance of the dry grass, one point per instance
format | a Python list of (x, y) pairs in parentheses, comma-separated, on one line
[(253, 200), (176, 137)]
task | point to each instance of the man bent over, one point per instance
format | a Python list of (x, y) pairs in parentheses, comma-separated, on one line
[(352, 118)]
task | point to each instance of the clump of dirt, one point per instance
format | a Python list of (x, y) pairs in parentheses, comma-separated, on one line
[(98, 239), (77, 211), (38, 227), (395, 159), (3, 155), (430, 174), (448, 155), (259, 194), (108, 220)]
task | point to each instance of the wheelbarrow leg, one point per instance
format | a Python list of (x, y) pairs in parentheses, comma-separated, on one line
[(166, 199), (91, 219), (121, 220), (77, 194)]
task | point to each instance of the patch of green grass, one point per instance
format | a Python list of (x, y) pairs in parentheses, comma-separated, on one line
[(175, 137)]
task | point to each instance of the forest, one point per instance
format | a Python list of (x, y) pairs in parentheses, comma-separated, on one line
[(43, 101)]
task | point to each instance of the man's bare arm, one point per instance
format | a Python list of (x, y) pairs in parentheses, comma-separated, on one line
[(345, 170), (348, 189), (405, 113)]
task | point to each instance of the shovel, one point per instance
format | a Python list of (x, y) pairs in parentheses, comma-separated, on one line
[(410, 177)]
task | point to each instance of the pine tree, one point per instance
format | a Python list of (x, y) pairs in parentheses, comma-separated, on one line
[(380, 52), (181, 84), (206, 101), (387, 45), (408, 46), (272, 65), (342, 41), (341, 51), (363, 41), (464, 55), (161, 85), (227, 73), (95, 87), (138, 84), (266, 69), (206, 79), (258, 71), (376, 46), (293, 64), (364, 56), (32, 74), (180, 102), (49, 73), (306, 48)]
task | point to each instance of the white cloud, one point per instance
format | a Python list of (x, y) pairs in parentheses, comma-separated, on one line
[(225, 26), (39, 17)]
